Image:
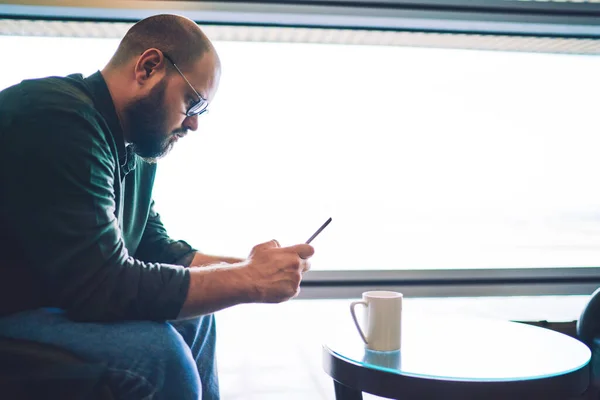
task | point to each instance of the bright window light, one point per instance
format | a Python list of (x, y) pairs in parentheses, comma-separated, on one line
[(425, 158)]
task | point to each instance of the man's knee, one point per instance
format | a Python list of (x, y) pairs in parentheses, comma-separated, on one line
[(162, 343), (165, 359), (197, 331)]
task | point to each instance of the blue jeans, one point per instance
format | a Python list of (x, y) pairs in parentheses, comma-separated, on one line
[(145, 360)]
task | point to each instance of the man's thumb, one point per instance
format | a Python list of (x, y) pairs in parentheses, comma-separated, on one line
[(303, 250)]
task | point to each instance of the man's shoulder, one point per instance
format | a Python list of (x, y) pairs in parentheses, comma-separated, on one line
[(53, 110), (55, 92), (46, 96)]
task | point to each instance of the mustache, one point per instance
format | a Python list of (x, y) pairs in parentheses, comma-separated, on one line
[(178, 131)]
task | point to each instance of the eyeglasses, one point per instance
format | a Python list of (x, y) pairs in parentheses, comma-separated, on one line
[(199, 106)]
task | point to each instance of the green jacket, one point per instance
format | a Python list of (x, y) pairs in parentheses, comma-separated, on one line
[(78, 229)]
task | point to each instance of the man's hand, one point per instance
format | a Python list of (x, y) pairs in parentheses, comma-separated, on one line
[(271, 274), (275, 272)]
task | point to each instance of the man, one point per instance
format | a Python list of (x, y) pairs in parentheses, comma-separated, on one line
[(86, 263)]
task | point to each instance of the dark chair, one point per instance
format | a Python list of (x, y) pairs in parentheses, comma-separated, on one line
[(588, 331), (30, 370)]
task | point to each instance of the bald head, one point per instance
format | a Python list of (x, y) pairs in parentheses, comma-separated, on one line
[(177, 36)]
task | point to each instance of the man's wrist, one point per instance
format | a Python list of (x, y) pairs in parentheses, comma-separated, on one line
[(244, 282)]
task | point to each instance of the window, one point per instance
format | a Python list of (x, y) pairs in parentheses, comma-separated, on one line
[(427, 157)]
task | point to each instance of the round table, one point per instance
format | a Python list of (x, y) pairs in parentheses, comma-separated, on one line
[(449, 357)]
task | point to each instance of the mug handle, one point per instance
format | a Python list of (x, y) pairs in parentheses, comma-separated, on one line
[(352, 305)]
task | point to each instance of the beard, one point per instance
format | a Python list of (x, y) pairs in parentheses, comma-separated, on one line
[(146, 121)]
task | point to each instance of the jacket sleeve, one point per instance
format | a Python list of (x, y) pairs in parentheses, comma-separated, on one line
[(157, 246)]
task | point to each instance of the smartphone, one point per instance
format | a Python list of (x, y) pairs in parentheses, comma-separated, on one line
[(318, 231)]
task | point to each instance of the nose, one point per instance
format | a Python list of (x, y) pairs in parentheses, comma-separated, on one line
[(191, 123)]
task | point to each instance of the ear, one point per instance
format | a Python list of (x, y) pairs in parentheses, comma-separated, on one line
[(149, 66)]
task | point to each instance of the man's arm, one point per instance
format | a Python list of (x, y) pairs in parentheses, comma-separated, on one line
[(271, 274)]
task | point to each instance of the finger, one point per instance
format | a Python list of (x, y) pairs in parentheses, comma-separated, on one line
[(297, 292), (267, 245), (304, 251), (305, 265)]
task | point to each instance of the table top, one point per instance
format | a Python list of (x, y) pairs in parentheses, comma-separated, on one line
[(468, 350)]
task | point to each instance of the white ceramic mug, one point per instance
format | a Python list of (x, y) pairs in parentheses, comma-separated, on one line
[(383, 320)]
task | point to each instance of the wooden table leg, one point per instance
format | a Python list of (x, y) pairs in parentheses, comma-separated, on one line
[(343, 392)]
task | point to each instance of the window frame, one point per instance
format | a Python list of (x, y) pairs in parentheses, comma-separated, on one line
[(549, 18)]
